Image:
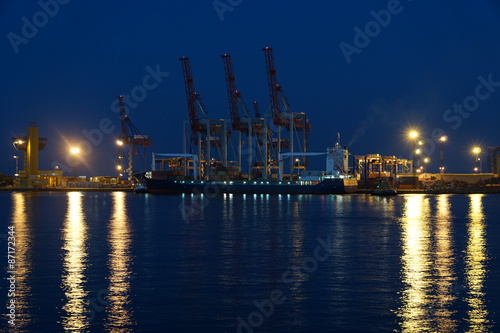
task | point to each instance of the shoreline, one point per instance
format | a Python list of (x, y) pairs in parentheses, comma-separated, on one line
[(58, 189), (475, 190)]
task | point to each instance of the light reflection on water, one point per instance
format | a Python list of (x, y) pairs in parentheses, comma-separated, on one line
[(475, 266), (445, 279), (118, 311), (416, 265), (23, 237), (75, 265), (423, 257), (431, 289)]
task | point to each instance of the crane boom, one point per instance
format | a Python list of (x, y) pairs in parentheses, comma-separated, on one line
[(274, 87), (191, 95), (232, 93)]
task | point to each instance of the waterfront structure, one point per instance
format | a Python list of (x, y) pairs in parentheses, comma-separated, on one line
[(30, 176), (260, 140)]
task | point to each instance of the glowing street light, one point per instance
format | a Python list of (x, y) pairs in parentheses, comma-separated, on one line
[(413, 135), (477, 151), (442, 140), (75, 151), (119, 142), (17, 166), (426, 161)]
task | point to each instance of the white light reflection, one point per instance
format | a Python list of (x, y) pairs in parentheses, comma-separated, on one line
[(75, 264), (416, 262), (22, 235), (118, 312), (445, 271), (475, 266)]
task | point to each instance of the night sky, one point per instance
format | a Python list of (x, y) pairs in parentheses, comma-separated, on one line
[(367, 69)]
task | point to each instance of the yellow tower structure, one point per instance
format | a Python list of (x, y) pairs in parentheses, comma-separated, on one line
[(30, 145)]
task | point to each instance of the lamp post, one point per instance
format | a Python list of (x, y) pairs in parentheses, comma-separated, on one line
[(477, 151), (119, 169), (426, 161), (413, 136), (74, 152), (17, 166), (442, 140)]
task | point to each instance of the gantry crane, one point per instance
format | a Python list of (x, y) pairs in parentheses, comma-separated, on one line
[(205, 133), (296, 123), (252, 128), (130, 136)]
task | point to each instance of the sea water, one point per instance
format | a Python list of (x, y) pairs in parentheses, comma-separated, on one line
[(124, 262)]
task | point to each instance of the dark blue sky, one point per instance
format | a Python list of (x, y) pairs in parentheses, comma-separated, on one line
[(428, 57)]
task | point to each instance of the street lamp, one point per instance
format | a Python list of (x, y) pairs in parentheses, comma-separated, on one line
[(413, 136), (426, 161), (17, 166), (74, 152), (442, 140), (476, 151)]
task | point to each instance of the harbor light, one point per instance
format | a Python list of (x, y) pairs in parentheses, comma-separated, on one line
[(74, 152), (17, 166), (442, 140), (413, 135), (476, 151), (426, 161)]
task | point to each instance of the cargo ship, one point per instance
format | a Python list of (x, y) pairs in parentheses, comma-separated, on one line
[(335, 180)]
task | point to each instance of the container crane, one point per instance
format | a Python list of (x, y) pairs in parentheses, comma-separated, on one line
[(205, 133), (131, 136), (296, 123)]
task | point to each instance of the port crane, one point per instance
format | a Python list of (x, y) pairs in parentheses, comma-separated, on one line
[(296, 124), (251, 127), (131, 137), (205, 134)]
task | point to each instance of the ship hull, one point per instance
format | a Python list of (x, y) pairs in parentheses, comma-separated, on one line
[(326, 186)]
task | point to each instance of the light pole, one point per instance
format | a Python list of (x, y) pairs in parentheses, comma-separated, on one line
[(476, 151), (17, 166), (442, 140), (74, 152), (426, 161), (413, 136)]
